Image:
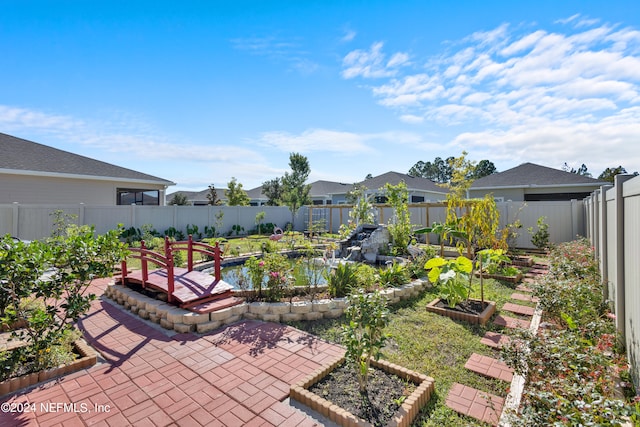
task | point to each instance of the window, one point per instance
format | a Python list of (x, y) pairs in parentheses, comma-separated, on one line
[(417, 199), (129, 196)]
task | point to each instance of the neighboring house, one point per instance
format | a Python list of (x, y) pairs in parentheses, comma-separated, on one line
[(531, 182), (32, 173), (421, 190)]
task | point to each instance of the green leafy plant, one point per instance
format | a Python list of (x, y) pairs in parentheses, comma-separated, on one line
[(540, 237), (451, 277), (367, 316), (256, 269), (394, 275), (341, 280), (400, 225), (260, 216), (193, 230), (70, 259), (445, 231), (174, 233)]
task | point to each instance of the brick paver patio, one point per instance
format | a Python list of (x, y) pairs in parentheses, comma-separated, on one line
[(239, 375), (478, 404), (489, 367), (519, 309)]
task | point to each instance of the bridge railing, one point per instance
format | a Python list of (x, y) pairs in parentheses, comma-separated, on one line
[(147, 256), (191, 246)]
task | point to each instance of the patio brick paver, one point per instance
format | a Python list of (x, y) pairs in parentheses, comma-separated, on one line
[(475, 403), (489, 367), (519, 309), (238, 375), (511, 322), (524, 297), (525, 288), (494, 339)]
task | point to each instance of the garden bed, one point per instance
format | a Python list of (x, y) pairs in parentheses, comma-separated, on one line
[(333, 392), (87, 358), (471, 311)]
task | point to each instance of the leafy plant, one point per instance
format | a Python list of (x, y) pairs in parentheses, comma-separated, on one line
[(445, 231), (363, 336), (540, 237), (400, 225), (209, 231), (256, 270), (451, 277), (341, 279), (394, 275), (192, 230), (237, 229), (260, 216)]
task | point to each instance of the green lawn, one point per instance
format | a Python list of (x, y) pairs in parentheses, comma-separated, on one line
[(434, 345)]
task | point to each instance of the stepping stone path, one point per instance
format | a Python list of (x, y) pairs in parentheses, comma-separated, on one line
[(523, 297), (489, 367), (480, 405), (475, 403), (511, 322), (519, 309), (494, 339)]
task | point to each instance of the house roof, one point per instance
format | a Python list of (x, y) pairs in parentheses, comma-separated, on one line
[(413, 183), (28, 157), (531, 175)]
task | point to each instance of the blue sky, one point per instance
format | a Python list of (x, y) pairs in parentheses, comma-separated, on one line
[(198, 92)]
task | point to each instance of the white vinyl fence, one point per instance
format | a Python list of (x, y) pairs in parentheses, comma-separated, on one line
[(613, 227), (31, 222)]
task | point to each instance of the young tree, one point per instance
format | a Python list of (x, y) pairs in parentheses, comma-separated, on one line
[(295, 191), (212, 196), (273, 190), (179, 199), (236, 196), (461, 175)]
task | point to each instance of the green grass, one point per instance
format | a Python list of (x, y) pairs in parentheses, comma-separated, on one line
[(434, 345)]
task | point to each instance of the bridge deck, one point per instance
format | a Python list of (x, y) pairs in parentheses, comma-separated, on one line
[(190, 287)]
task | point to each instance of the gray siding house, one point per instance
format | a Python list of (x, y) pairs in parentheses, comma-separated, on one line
[(531, 182), (32, 173)]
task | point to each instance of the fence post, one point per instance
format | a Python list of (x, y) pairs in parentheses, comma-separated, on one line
[(15, 219), (619, 303), (603, 250)]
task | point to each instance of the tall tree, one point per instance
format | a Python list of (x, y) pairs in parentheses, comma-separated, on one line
[(273, 190), (295, 191), (438, 171), (212, 196), (582, 170), (236, 196), (609, 174), (484, 168)]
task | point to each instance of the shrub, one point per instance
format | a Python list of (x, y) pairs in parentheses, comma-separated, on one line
[(540, 237), (394, 275), (452, 278), (341, 280), (367, 316)]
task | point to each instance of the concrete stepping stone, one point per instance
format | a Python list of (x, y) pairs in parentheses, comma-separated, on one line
[(475, 403), (518, 309), (524, 297), (489, 367), (511, 322), (494, 339), (524, 288)]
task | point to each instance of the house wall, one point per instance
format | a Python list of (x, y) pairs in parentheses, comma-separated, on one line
[(27, 189), (518, 194), (513, 194)]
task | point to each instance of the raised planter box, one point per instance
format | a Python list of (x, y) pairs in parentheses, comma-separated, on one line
[(405, 415), (510, 279), (474, 319), (88, 357)]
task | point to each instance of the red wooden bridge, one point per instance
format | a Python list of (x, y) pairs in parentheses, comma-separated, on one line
[(185, 287)]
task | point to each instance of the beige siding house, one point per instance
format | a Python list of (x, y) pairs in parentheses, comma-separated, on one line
[(530, 182), (32, 173)]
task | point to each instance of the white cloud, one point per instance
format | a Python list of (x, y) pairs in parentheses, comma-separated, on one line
[(348, 36), (371, 63), (411, 118)]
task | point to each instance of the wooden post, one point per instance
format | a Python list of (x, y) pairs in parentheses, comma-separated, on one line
[(143, 262), (190, 253), (217, 259), (170, 282), (310, 226), (123, 268)]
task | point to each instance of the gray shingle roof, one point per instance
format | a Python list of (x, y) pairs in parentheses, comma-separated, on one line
[(413, 183), (532, 174), (23, 155)]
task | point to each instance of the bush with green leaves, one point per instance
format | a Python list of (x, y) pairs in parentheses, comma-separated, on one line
[(400, 225), (540, 237), (56, 272), (341, 280), (363, 335), (572, 367), (451, 277), (394, 275)]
